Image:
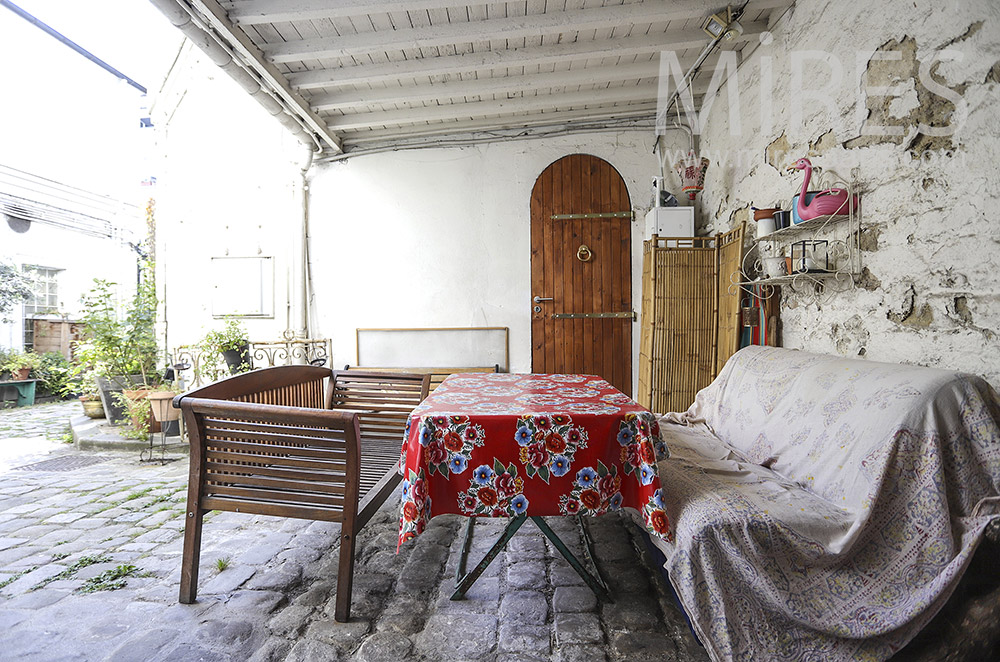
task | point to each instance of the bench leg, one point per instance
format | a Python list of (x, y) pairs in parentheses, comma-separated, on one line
[(345, 576), (192, 556)]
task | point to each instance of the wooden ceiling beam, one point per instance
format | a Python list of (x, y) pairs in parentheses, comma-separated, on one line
[(675, 40), (520, 105), (514, 27), (256, 12), (632, 111), (592, 76)]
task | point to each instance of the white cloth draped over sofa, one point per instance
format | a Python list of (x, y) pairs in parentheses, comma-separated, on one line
[(824, 508)]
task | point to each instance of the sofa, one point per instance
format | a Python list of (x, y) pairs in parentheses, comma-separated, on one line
[(824, 508)]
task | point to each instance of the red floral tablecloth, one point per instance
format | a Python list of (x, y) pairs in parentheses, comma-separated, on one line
[(500, 445)]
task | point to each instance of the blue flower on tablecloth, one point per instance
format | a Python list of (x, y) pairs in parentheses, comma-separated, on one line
[(626, 435), (523, 436), (458, 464), (658, 498), (426, 434), (616, 501), (646, 475), (519, 504), (559, 465), (483, 474), (406, 490), (586, 477)]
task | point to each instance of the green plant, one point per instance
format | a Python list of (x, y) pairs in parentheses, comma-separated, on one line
[(15, 287), (138, 413), (222, 563), (233, 336), (19, 360), (111, 580), (121, 344), (57, 375)]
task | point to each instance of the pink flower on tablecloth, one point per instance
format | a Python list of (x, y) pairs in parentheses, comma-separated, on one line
[(606, 485), (436, 453), (505, 485), (537, 455)]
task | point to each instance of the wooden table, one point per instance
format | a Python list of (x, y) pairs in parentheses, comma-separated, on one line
[(527, 446)]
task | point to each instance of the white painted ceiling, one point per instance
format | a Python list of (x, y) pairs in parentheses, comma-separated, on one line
[(359, 74)]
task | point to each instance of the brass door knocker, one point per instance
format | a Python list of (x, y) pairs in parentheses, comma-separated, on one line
[(583, 253)]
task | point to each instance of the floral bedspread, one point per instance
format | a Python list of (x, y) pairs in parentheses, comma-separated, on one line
[(500, 445), (825, 508)]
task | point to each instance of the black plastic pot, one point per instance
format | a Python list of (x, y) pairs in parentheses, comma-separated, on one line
[(236, 357)]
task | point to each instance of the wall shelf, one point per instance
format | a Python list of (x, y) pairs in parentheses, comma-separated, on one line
[(841, 231)]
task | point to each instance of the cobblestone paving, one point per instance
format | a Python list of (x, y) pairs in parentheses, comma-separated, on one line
[(267, 585)]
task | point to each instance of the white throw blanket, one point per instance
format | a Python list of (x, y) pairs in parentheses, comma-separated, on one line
[(825, 508)]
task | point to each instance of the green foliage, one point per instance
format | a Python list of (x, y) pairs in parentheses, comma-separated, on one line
[(223, 563), (15, 287), (19, 360), (111, 580), (232, 336), (121, 344), (57, 374), (138, 416)]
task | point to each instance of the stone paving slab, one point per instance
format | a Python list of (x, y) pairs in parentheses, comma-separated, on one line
[(268, 585)]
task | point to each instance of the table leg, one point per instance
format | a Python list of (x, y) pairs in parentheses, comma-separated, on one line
[(596, 583), (465, 581)]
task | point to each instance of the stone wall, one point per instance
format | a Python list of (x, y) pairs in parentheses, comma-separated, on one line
[(930, 231)]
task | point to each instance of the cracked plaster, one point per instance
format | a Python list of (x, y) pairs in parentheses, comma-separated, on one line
[(928, 292)]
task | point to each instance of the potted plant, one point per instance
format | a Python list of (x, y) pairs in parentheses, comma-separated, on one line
[(233, 343), (92, 406), (121, 348), (20, 364)]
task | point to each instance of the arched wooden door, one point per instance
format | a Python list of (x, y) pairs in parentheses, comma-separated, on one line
[(581, 271)]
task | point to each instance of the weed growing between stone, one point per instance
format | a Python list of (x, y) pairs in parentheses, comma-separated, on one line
[(111, 580), (222, 563), (68, 573)]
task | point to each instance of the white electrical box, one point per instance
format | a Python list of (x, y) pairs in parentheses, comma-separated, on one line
[(670, 222)]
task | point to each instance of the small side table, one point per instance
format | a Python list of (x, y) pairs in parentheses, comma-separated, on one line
[(25, 390)]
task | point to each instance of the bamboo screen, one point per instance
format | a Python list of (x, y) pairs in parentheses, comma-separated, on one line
[(677, 340), (689, 318), (730, 248)]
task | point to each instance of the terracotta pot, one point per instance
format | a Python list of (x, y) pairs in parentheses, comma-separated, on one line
[(764, 213), (163, 410), (19, 375)]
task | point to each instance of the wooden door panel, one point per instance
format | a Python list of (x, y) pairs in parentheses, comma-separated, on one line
[(577, 185)]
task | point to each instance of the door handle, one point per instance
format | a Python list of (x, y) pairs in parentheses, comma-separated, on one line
[(539, 299)]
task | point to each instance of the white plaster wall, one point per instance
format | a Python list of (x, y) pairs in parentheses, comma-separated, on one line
[(228, 185), (440, 237), (931, 241)]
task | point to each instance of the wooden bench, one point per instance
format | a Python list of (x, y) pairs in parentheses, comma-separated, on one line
[(295, 441), (25, 389), (437, 375)]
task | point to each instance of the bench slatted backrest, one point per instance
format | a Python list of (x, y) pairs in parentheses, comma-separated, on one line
[(264, 444), (383, 401), (277, 460), (437, 375)]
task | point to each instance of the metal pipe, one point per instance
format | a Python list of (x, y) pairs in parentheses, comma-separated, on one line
[(52, 32)]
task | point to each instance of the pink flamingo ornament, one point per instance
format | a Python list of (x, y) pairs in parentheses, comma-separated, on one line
[(826, 202)]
